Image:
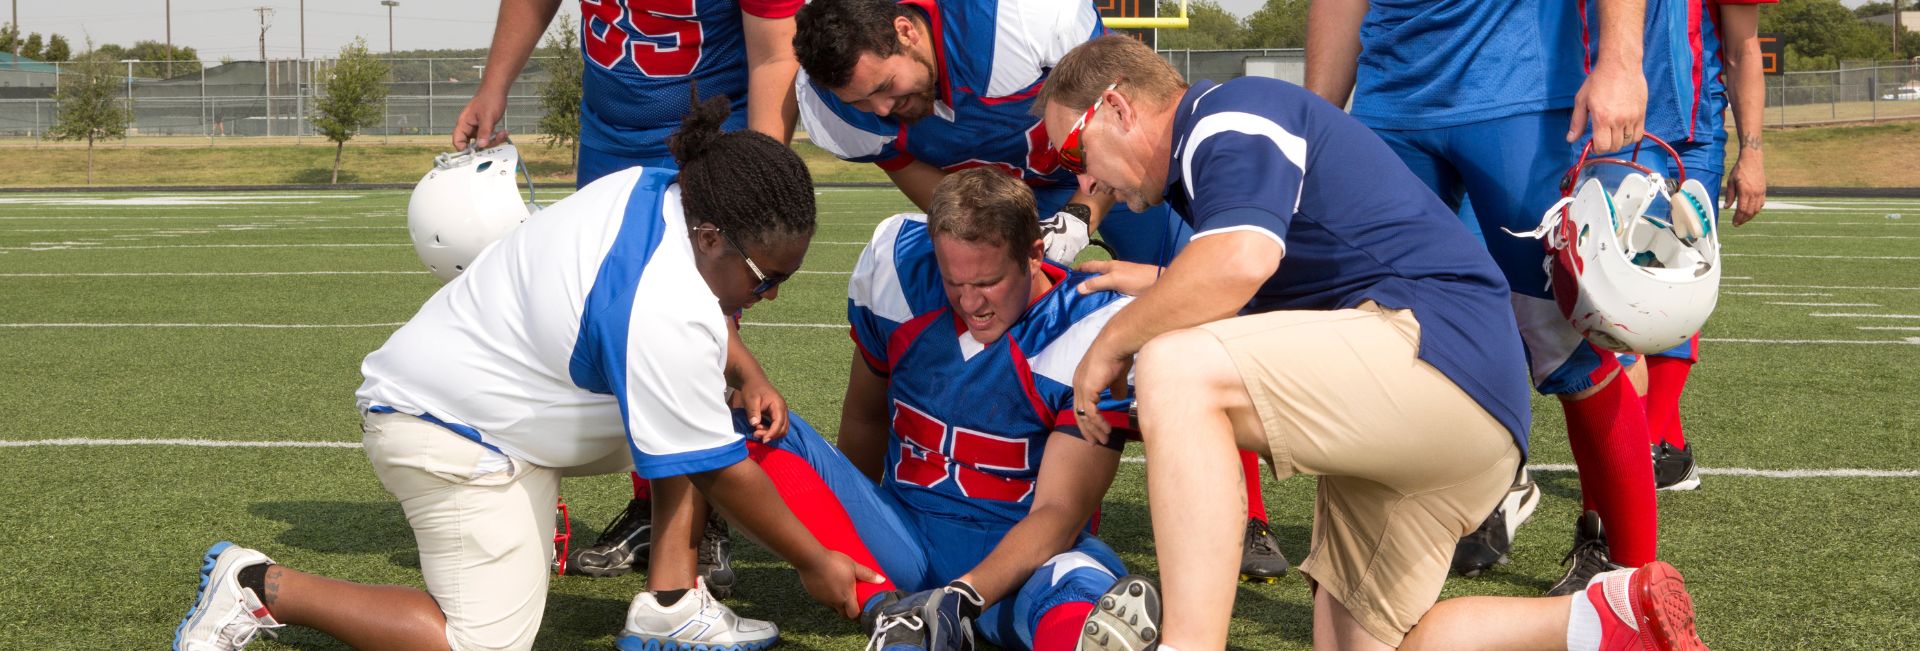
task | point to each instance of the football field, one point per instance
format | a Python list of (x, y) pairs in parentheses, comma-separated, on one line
[(177, 369)]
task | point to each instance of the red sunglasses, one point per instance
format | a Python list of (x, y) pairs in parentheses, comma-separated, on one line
[(1073, 155)]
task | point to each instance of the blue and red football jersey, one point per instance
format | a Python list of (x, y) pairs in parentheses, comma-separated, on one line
[(992, 58), (641, 56), (970, 421), (1686, 96)]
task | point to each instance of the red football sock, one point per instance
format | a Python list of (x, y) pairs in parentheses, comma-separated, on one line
[(1608, 435), (818, 510), (1059, 628), (642, 489), (1666, 378), (1256, 505)]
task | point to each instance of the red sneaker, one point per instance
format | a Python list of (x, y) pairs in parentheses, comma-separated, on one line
[(1651, 610)]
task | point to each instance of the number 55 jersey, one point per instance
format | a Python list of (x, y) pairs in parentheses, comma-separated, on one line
[(970, 421), (641, 56)]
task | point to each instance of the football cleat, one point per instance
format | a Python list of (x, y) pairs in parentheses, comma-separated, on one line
[(1649, 607), (697, 622), (716, 556), (1489, 545), (933, 620), (225, 616), (1673, 468), (622, 547), (1588, 558), (1127, 618), (1260, 557)]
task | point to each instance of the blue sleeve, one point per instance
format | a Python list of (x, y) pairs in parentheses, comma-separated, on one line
[(1243, 172)]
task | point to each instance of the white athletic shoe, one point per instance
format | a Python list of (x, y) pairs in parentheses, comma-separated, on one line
[(697, 622), (225, 616)]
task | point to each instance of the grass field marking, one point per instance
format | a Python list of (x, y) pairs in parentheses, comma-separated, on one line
[(272, 326), (1909, 341), (1836, 237), (1874, 223), (197, 443), (816, 273), (1861, 315), (1773, 294), (1796, 473), (208, 246), (1824, 304), (1821, 257), (111, 274), (836, 326), (1860, 287), (1897, 328)]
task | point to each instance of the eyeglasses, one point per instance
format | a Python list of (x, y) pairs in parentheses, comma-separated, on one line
[(1073, 155), (767, 283)]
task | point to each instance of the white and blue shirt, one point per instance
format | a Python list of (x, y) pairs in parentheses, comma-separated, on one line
[(969, 421), (991, 59), (586, 338), (1264, 156)]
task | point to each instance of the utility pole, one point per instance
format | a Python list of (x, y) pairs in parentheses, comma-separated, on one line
[(303, 29), (266, 70), (390, 4), (1896, 28), (16, 34), (169, 74)]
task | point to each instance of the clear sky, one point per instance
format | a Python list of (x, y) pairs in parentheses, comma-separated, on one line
[(217, 28)]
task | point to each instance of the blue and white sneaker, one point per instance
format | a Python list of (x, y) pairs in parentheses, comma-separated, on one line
[(933, 620), (697, 622), (225, 616)]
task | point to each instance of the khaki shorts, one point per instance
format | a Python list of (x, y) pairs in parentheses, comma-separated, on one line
[(1408, 463), (483, 522)]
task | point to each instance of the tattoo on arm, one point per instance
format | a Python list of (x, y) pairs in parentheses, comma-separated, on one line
[(1750, 141), (272, 584)]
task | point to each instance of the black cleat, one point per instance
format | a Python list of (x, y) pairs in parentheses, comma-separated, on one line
[(1126, 618), (1260, 557), (1488, 545), (1673, 468), (716, 556), (621, 548), (1588, 558)]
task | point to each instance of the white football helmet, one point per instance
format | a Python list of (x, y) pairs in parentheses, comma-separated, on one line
[(468, 201), (1634, 258)]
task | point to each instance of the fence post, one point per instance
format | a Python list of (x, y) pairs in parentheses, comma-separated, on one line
[(1873, 96), (430, 128)]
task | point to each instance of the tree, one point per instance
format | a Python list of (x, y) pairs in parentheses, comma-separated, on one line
[(1871, 9), (153, 57), (560, 95), (89, 106), (57, 49), (1281, 23), (31, 48), (1209, 27), (1821, 33), (9, 36), (352, 97)]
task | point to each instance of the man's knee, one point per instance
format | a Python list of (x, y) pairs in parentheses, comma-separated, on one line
[(1184, 359), (491, 638)]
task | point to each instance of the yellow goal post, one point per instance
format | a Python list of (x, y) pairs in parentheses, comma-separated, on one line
[(1157, 22)]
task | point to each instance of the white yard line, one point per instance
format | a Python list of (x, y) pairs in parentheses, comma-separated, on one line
[(1909, 341), (67, 246), (1835, 237), (757, 324), (1797, 473), (1724, 293), (1859, 287), (1821, 257), (101, 274), (269, 326), (1824, 304), (1858, 315), (1894, 328)]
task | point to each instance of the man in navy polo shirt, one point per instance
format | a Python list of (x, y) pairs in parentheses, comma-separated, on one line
[(1381, 356)]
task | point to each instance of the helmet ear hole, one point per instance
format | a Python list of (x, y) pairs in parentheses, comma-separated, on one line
[(483, 166)]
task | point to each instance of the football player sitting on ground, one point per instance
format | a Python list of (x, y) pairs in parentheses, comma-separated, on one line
[(589, 340), (957, 402), (1377, 352), (923, 88)]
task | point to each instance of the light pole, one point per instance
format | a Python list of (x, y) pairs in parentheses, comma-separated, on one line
[(129, 63), (390, 4)]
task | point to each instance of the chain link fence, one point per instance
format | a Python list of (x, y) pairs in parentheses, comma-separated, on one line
[(252, 98)]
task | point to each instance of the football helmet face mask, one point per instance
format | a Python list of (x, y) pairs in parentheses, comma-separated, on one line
[(468, 201), (1634, 257)]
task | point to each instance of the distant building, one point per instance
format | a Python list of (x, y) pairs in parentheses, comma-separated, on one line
[(26, 73)]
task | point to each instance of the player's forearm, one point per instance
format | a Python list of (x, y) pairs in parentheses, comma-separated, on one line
[(515, 33), (1211, 280), (1622, 26), (1097, 207), (863, 420), (771, 67), (1333, 47), (1043, 534), (1746, 81), (746, 496), (917, 180)]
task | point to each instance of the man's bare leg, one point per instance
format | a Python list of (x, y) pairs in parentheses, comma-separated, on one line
[(362, 616), (1192, 403)]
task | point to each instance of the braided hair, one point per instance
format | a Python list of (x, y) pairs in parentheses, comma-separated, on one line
[(743, 182)]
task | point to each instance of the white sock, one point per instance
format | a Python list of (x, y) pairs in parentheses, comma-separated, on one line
[(1583, 624)]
